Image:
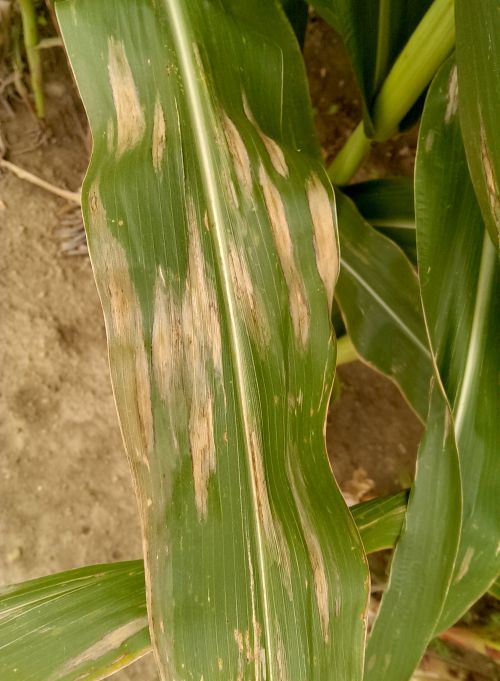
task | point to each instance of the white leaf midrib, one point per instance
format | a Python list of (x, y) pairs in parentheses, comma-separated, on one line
[(202, 134)]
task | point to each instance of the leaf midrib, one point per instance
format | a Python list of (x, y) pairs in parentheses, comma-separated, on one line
[(202, 132)]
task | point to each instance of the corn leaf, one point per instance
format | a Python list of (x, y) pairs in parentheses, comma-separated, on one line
[(459, 278), (388, 205), (374, 33), (379, 298), (478, 77), (424, 557), (101, 610), (297, 11), (83, 624), (212, 238)]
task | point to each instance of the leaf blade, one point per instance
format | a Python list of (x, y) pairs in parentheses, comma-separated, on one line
[(227, 469), (478, 65), (378, 294), (462, 320)]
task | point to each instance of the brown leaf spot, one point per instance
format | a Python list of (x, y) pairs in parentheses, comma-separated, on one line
[(325, 241), (452, 96), (129, 112), (159, 136), (299, 309)]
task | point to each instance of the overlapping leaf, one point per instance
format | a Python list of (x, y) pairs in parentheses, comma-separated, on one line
[(478, 78), (459, 276), (212, 238), (379, 297), (100, 611), (388, 205), (424, 558), (83, 624)]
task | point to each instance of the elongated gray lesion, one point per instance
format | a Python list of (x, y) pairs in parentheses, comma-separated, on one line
[(187, 355)]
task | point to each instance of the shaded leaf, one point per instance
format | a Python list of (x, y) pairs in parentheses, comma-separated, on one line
[(478, 62), (412, 603), (379, 297), (459, 278), (389, 205), (212, 237), (374, 33), (297, 11)]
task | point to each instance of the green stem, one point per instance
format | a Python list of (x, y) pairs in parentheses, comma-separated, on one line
[(30, 30), (350, 156), (427, 48), (346, 352)]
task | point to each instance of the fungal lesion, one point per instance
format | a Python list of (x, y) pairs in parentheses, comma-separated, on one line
[(130, 119), (299, 305)]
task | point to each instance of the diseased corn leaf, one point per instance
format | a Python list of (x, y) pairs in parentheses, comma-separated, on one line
[(460, 284), (212, 238), (478, 78), (424, 557), (374, 33), (379, 298), (101, 610), (388, 205), (83, 624)]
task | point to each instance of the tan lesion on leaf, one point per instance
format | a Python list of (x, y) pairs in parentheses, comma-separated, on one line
[(239, 153), (202, 444), (273, 530), (491, 182), (131, 124), (299, 308), (315, 554), (159, 135), (276, 155), (452, 96), (187, 354), (254, 311), (166, 342), (108, 643), (325, 241), (125, 332)]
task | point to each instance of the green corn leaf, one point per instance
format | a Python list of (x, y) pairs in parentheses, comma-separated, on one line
[(478, 78), (388, 205), (374, 33), (459, 278), (379, 521), (83, 624), (424, 557), (101, 610), (297, 11), (379, 298), (212, 238)]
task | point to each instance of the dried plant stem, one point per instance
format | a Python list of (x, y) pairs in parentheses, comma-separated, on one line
[(34, 179)]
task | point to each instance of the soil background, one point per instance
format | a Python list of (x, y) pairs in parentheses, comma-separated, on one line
[(65, 493)]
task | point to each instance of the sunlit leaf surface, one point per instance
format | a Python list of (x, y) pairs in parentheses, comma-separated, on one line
[(82, 624), (212, 236), (101, 610)]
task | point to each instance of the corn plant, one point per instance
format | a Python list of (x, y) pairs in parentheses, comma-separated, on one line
[(219, 246)]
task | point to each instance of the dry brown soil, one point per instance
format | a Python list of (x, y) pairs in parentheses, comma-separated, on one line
[(65, 493)]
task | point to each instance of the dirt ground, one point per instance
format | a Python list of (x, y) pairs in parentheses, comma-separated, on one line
[(65, 494)]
